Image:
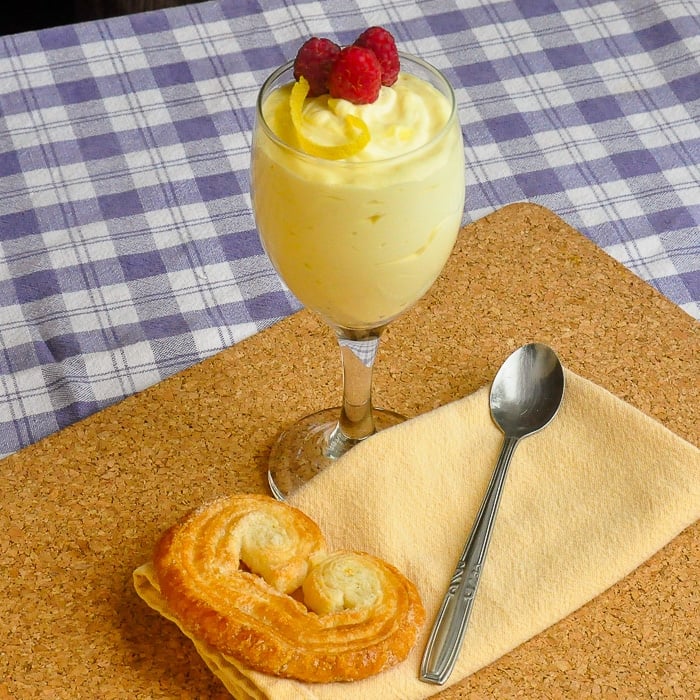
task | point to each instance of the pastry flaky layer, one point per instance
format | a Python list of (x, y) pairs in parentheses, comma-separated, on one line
[(251, 577)]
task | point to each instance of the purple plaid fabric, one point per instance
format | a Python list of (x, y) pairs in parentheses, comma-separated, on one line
[(127, 246)]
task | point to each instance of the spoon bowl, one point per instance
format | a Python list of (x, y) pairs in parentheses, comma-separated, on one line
[(527, 390), (525, 395)]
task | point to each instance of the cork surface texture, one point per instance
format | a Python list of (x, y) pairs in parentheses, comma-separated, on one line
[(82, 508)]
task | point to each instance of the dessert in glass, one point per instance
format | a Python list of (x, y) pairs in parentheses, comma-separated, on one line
[(358, 205)]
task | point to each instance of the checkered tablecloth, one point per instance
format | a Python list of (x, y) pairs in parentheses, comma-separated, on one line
[(127, 246)]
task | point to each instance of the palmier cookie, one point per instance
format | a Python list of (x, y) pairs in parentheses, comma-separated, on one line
[(250, 576)]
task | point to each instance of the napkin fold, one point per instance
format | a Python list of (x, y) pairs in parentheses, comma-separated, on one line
[(586, 501)]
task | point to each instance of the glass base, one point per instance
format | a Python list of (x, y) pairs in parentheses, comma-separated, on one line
[(312, 444)]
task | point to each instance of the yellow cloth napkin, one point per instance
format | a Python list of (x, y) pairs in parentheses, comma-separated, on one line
[(586, 501)]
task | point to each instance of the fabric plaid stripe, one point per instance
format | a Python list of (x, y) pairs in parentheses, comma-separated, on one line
[(127, 246)]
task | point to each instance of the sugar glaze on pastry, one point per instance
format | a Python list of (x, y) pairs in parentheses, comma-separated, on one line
[(251, 577)]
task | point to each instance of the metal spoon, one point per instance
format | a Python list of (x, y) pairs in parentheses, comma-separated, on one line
[(525, 395)]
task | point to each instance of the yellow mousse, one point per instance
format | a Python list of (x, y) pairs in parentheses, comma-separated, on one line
[(361, 238)]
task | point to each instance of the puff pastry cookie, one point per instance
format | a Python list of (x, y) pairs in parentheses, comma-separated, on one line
[(250, 576)]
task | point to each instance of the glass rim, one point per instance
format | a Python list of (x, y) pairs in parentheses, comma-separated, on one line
[(450, 94)]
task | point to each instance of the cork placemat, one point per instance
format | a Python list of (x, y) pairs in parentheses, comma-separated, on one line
[(81, 509)]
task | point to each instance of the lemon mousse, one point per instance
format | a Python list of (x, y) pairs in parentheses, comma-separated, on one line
[(358, 205)]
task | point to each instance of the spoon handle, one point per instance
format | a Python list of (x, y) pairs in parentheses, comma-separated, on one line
[(450, 625)]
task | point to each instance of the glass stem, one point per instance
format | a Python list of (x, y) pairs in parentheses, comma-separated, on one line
[(357, 351)]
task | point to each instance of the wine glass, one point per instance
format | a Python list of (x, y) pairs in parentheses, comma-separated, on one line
[(358, 241)]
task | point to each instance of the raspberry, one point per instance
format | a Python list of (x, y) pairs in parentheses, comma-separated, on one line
[(314, 61), (356, 76), (380, 41)]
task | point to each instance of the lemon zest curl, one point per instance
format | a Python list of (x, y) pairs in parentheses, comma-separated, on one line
[(356, 129)]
